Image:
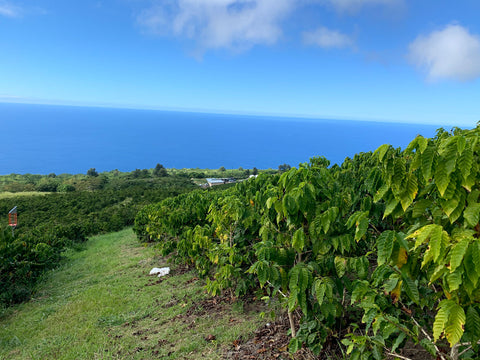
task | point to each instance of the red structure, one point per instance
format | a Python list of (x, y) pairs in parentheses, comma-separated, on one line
[(12, 217)]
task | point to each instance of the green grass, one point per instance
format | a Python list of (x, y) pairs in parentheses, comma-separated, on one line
[(7, 195), (101, 304)]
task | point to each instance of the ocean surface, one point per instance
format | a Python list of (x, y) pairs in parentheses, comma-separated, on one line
[(41, 139)]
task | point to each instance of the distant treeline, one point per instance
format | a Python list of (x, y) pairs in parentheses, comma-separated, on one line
[(93, 180)]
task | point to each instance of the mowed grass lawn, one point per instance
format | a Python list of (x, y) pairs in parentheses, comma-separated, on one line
[(101, 304)]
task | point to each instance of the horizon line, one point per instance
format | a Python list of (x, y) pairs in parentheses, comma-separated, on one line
[(280, 116)]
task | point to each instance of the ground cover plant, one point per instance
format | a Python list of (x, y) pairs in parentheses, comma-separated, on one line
[(101, 304), (49, 223), (377, 254)]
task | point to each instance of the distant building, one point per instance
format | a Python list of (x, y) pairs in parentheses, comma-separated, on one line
[(213, 181)]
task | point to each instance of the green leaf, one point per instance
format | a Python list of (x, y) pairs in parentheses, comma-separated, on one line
[(429, 346), (398, 341), (454, 328), (450, 159), (361, 229), (461, 143), (304, 279), (420, 207), (377, 353), (290, 205), (454, 280), (270, 202), (385, 244), (449, 206), (457, 253), (340, 266), (399, 173), (298, 242), (391, 205), (465, 161), (319, 288), (411, 289), (472, 325), (436, 242), (441, 318), (472, 214), (381, 151), (411, 189), (422, 143), (294, 345), (471, 262), (442, 178), (421, 235), (428, 156), (262, 272), (381, 192)]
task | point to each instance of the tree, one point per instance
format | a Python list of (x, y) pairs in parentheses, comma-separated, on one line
[(254, 171), (160, 171), (284, 167), (222, 168), (92, 172), (136, 173)]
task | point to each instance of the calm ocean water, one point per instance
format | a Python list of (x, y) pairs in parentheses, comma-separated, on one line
[(41, 139)]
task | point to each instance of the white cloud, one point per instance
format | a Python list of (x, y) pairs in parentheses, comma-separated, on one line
[(9, 10), (213, 24), (355, 5), (327, 38), (452, 53)]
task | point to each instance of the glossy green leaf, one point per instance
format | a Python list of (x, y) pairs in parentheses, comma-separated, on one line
[(391, 205), (457, 253), (441, 318), (298, 241), (381, 151), (472, 214), (428, 156), (472, 324), (385, 244), (456, 321), (411, 289)]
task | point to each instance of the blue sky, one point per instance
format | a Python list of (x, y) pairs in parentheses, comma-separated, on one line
[(386, 60)]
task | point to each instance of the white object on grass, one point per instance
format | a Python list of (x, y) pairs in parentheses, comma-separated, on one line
[(160, 271)]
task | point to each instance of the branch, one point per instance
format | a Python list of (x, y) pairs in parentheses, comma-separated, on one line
[(398, 356), (280, 291), (464, 344), (429, 338)]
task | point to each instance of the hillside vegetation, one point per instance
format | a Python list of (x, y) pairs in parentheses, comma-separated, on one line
[(369, 257), (49, 223), (101, 304)]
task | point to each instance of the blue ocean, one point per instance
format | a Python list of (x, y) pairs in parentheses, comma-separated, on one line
[(42, 139)]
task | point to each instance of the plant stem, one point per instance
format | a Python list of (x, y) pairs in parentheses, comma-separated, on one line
[(292, 323), (398, 356)]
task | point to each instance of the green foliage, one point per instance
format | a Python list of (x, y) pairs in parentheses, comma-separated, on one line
[(387, 242), (48, 224)]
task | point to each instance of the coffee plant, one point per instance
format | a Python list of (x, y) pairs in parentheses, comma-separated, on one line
[(371, 256)]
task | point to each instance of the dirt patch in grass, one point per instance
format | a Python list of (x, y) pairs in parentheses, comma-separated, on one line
[(270, 342)]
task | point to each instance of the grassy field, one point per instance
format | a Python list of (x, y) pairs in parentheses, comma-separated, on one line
[(6, 194), (101, 304)]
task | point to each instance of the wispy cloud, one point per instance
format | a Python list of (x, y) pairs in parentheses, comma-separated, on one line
[(452, 53), (327, 38), (9, 10), (215, 24), (355, 5)]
